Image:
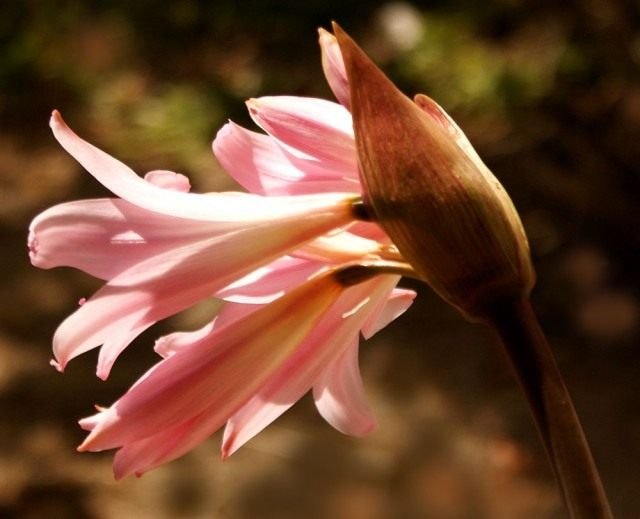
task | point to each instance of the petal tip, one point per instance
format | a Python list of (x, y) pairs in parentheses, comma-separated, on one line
[(368, 429), (89, 443), (58, 365), (103, 372), (56, 119), (228, 445), (225, 133), (32, 245), (252, 105)]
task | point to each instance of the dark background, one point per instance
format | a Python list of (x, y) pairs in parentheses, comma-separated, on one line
[(549, 93)]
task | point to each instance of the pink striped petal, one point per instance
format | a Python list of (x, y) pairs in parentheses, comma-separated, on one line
[(397, 303), (333, 67), (254, 160), (228, 314), (340, 398), (122, 181), (318, 128), (168, 345), (218, 373), (174, 280), (104, 237), (267, 283), (143, 455), (168, 180), (329, 339), (260, 165)]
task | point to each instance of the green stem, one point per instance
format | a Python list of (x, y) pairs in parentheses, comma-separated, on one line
[(526, 347)]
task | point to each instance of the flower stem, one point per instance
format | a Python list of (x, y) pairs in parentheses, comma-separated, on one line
[(524, 342)]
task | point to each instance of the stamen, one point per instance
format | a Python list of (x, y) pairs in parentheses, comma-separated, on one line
[(390, 252), (356, 273)]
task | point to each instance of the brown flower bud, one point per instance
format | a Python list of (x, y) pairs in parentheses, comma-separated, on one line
[(442, 207)]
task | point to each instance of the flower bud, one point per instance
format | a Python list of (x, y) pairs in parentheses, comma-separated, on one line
[(442, 207)]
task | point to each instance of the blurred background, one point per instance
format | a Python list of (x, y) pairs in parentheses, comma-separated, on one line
[(548, 92)]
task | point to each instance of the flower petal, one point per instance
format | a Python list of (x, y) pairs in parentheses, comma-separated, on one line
[(123, 181), (267, 283), (254, 160), (229, 313), (168, 180), (390, 309), (168, 444), (219, 372), (104, 237), (316, 127), (340, 398), (333, 66), (329, 339), (261, 165)]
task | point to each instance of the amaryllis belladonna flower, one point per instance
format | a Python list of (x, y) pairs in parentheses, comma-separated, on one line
[(300, 271), (339, 196)]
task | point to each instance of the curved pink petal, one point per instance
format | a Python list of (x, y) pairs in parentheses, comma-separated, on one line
[(123, 181), (174, 280), (228, 313), (169, 180), (117, 313), (339, 395), (316, 127), (254, 160), (390, 309), (267, 283), (165, 445), (104, 237), (168, 444), (333, 67), (258, 413), (329, 339), (260, 165), (142, 455), (322, 174), (219, 372), (168, 345)]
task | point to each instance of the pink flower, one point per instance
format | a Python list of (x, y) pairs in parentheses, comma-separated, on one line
[(285, 260)]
